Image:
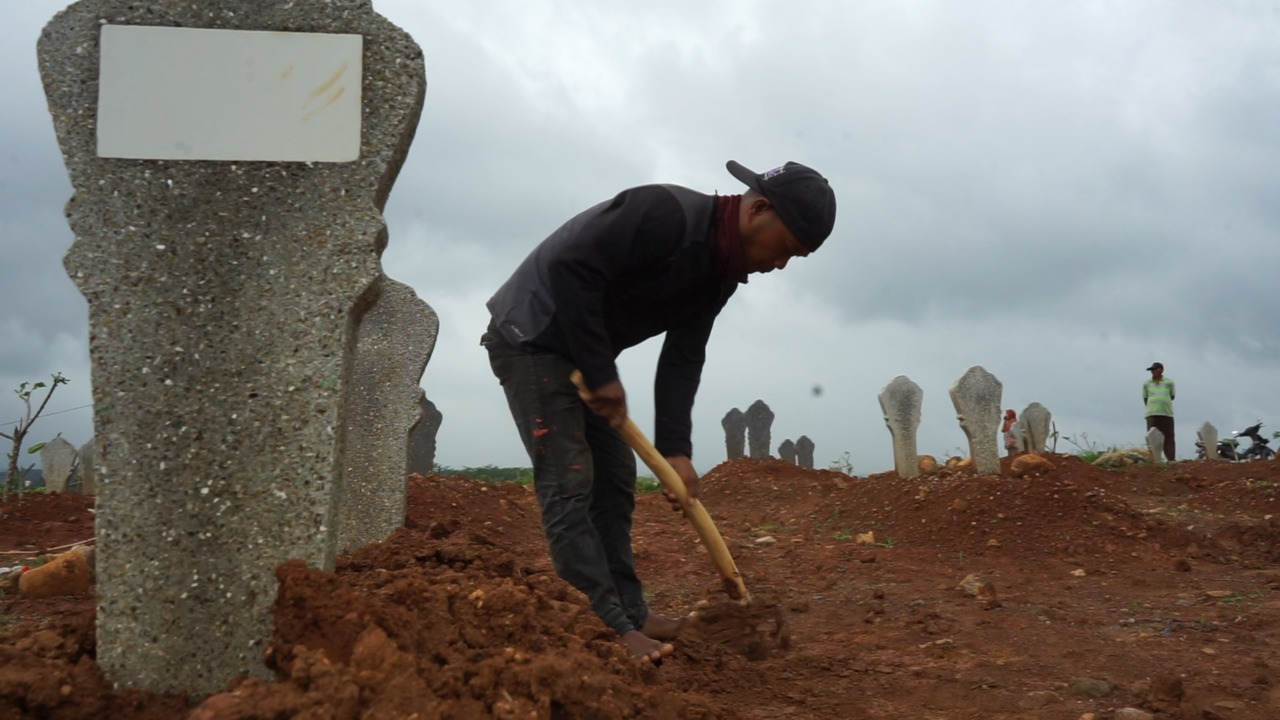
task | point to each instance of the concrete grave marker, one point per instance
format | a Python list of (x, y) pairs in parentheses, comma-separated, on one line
[(1208, 435), (976, 397), (787, 451), (57, 461), (900, 401), (87, 472), (393, 345), (224, 303), (759, 428), (1036, 421), (1155, 443), (422, 439), (735, 434), (804, 452)]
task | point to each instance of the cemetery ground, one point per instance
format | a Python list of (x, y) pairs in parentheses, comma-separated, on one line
[(1146, 591)]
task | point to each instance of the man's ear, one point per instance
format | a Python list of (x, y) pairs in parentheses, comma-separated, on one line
[(760, 205)]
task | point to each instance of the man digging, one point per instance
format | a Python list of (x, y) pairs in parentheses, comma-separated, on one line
[(654, 259)]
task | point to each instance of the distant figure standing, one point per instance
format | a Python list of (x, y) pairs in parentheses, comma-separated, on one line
[(1010, 436), (1157, 396)]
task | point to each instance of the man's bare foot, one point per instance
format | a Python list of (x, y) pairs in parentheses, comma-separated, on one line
[(659, 627), (646, 648)]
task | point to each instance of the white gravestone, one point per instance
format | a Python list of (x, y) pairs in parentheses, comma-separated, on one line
[(976, 396), (900, 401), (1208, 435), (1155, 443), (1036, 420), (87, 470), (58, 461)]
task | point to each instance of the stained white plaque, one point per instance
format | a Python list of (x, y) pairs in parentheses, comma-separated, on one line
[(194, 94)]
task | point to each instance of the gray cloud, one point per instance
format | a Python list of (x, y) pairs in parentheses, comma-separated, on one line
[(1061, 192)]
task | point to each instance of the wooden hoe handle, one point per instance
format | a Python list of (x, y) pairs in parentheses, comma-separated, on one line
[(693, 509)]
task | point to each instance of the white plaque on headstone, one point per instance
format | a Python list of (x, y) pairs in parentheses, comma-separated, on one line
[(169, 93)]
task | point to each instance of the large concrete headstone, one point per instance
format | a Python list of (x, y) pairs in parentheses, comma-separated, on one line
[(900, 401), (759, 429), (422, 439), (1020, 436), (735, 434), (86, 471), (976, 397), (1036, 421), (1155, 443), (804, 452), (1208, 435), (393, 345), (787, 452), (57, 462), (224, 301)]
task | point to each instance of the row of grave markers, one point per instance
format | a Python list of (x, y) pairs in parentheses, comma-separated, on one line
[(976, 396), (750, 433)]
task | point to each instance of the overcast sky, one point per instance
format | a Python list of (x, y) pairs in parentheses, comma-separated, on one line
[(1060, 192)]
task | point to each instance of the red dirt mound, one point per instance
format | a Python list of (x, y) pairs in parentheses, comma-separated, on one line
[(1152, 587)]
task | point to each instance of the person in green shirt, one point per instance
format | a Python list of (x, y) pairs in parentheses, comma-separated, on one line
[(1157, 396)]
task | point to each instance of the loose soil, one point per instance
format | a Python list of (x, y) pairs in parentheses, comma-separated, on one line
[(1150, 587)]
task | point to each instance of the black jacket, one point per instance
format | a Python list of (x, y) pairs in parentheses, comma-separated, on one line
[(616, 275)]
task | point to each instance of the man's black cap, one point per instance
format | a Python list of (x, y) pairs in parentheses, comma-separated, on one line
[(803, 198), (1156, 366)]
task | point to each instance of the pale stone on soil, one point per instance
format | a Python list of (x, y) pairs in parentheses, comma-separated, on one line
[(1036, 421), (1155, 445), (735, 434), (394, 344), (804, 452), (1039, 699), (900, 401), (928, 465), (1030, 464), (67, 574), (976, 397), (759, 427), (1123, 458), (224, 299), (976, 586), (1090, 687), (1132, 714), (58, 461)]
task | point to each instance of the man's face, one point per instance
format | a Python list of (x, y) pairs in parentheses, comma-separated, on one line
[(767, 243), (1157, 373)]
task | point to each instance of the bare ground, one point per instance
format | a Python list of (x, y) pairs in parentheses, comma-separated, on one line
[(1152, 587)]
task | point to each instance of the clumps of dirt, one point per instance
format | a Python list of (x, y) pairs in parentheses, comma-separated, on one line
[(756, 629), (443, 622)]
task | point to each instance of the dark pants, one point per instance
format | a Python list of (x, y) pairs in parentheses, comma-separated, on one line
[(1164, 423), (584, 475)]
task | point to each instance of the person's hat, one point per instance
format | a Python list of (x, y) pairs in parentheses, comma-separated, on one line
[(803, 198), (1156, 366)]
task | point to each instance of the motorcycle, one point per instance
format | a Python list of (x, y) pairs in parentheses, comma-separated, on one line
[(1229, 448)]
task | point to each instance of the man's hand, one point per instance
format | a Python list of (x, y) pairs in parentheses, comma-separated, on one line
[(684, 468), (609, 401)]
